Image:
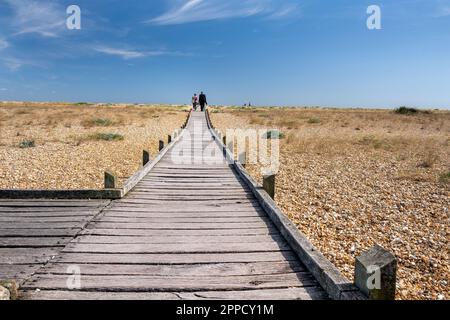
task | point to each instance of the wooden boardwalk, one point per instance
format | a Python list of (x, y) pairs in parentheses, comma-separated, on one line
[(189, 230)]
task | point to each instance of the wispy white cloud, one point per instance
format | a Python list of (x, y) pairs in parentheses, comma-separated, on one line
[(187, 11), (13, 63), (125, 54), (3, 89), (285, 11), (45, 18), (131, 53), (443, 11), (3, 44)]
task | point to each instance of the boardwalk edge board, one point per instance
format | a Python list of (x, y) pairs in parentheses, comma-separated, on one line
[(329, 277), (100, 194)]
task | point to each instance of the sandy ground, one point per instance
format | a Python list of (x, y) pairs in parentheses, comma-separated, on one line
[(68, 154), (352, 178)]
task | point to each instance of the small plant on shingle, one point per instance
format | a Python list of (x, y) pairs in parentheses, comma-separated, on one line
[(27, 144), (314, 121), (108, 137)]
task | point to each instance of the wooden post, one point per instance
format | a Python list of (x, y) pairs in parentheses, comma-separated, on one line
[(145, 157), (224, 140), (243, 158), (169, 139), (375, 273), (269, 185), (161, 145), (110, 180)]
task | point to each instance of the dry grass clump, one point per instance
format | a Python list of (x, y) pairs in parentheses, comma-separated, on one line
[(361, 177), (75, 143)]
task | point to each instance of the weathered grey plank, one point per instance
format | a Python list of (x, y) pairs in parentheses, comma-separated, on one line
[(166, 239), (308, 293), (180, 232), (148, 219), (27, 255), (178, 226), (41, 220), (38, 232), (145, 248), (43, 225), (195, 258), (210, 270), (183, 283), (33, 242), (53, 203)]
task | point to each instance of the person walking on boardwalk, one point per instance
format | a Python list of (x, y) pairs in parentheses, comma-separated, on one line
[(194, 102), (202, 100)]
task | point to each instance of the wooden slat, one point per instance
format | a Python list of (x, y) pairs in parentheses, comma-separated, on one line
[(33, 242), (210, 270), (181, 232), (308, 293), (14, 256), (44, 232), (145, 248), (184, 283), (195, 258), (148, 219), (166, 239), (179, 226)]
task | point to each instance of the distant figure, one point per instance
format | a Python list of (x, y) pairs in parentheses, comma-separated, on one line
[(194, 102), (202, 100)]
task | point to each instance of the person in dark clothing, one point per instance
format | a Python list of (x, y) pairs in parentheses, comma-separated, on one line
[(194, 102), (202, 101)]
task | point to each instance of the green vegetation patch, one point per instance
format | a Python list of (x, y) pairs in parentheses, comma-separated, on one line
[(25, 144), (445, 178), (314, 121), (108, 137)]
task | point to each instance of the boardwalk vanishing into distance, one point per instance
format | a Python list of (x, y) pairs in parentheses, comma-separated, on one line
[(188, 230)]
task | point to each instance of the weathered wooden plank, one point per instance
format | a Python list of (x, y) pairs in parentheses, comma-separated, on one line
[(178, 226), (43, 215), (190, 214), (183, 283), (177, 198), (231, 204), (61, 194), (195, 258), (18, 272), (187, 210), (145, 248), (41, 220), (27, 255), (33, 242), (53, 203), (201, 270), (308, 293), (166, 239), (149, 219), (189, 232), (43, 225), (38, 232)]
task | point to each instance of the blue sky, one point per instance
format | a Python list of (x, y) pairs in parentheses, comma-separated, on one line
[(269, 52)]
